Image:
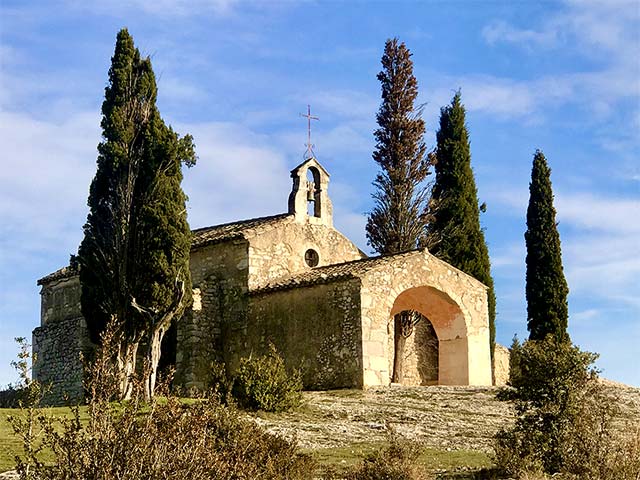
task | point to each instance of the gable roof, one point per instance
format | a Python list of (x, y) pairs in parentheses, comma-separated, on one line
[(199, 238), (64, 272), (331, 273), (231, 231), (313, 161)]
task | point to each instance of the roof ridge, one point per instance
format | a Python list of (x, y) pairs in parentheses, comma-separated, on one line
[(328, 273), (238, 222)]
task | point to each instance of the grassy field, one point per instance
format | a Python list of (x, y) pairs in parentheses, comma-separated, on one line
[(339, 458), (10, 444)]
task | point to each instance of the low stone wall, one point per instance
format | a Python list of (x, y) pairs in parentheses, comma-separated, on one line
[(501, 356), (57, 349)]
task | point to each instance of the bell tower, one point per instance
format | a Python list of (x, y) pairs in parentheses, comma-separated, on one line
[(309, 201)]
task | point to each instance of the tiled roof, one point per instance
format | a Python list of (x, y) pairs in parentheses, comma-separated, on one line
[(230, 231), (329, 273), (64, 272), (200, 237)]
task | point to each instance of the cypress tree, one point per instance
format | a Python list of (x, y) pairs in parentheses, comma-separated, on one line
[(546, 286), (133, 258), (454, 233), (398, 220)]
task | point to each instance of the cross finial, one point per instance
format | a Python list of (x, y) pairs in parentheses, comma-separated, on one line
[(309, 153)]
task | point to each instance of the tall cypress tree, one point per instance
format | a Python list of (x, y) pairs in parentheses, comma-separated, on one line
[(546, 289), (454, 233), (134, 256), (397, 221)]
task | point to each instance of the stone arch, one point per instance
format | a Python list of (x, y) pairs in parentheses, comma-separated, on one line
[(448, 322)]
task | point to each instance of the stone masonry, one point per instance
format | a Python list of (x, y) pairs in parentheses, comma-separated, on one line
[(294, 281)]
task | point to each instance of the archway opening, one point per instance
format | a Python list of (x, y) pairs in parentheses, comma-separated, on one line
[(415, 349), (313, 188), (427, 339)]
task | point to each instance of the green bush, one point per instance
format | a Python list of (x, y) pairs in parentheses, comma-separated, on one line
[(263, 383), (166, 438), (564, 417), (12, 396), (399, 461)]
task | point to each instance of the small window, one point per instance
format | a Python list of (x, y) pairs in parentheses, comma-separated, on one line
[(311, 257)]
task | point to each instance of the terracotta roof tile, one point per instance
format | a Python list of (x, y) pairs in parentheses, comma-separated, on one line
[(329, 273), (230, 231), (64, 272), (200, 238)]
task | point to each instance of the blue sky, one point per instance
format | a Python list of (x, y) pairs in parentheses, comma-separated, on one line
[(560, 76)]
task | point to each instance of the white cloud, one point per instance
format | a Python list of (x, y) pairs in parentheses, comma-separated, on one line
[(239, 175), (591, 211), (501, 31), (164, 8), (604, 32)]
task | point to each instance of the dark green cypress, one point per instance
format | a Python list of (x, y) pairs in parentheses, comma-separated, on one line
[(546, 289), (454, 233), (397, 221), (134, 256)]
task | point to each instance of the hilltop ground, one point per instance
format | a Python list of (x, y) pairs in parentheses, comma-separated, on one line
[(455, 424)]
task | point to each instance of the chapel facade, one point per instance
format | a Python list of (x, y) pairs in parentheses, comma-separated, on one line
[(294, 281)]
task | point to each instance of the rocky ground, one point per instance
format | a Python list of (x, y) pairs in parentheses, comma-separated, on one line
[(442, 418), (456, 418)]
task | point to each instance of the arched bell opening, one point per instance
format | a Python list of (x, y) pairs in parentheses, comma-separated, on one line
[(313, 192), (428, 339)]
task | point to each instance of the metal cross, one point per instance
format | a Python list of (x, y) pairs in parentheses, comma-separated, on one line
[(309, 153)]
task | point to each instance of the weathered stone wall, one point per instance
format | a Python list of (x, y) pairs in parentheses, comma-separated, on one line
[(219, 279), (59, 342), (279, 252), (420, 362), (501, 356), (417, 281), (315, 328)]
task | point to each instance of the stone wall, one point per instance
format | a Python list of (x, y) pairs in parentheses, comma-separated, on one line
[(315, 328), (219, 279), (501, 356), (420, 362), (279, 252), (60, 341)]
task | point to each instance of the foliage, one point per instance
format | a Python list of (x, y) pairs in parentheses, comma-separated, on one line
[(163, 439), (398, 219), (454, 232), (134, 256), (399, 461), (546, 286), (563, 415), (263, 383), (11, 396)]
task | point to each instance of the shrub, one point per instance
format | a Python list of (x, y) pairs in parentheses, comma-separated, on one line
[(12, 396), (563, 416), (166, 438), (396, 462), (263, 383)]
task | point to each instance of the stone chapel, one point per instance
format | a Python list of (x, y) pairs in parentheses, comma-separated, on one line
[(295, 281)]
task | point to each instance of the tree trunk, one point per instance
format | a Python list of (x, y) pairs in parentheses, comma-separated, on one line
[(398, 347), (153, 357), (126, 358)]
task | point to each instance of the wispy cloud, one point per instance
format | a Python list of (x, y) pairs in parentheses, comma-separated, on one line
[(500, 31), (603, 32), (164, 8)]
